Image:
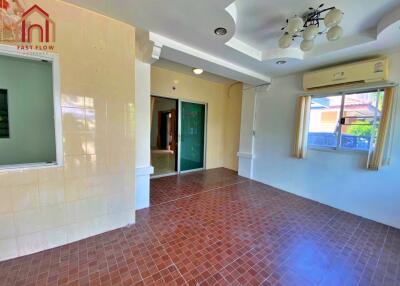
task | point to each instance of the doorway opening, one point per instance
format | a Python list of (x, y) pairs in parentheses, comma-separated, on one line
[(178, 136), (164, 135)]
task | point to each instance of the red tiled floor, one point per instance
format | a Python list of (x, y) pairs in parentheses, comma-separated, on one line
[(170, 188), (224, 231)]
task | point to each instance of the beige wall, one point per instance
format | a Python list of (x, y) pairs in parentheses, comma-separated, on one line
[(94, 191), (232, 126), (224, 108)]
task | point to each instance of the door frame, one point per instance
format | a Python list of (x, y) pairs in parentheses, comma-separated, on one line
[(180, 100), (151, 126)]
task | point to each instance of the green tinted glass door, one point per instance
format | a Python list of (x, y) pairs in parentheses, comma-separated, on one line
[(192, 136)]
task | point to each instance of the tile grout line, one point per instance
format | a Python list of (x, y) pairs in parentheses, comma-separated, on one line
[(126, 239), (380, 254), (201, 192), (239, 211), (326, 224), (177, 268), (213, 189), (173, 262)]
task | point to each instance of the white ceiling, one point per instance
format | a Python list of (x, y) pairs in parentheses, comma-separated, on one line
[(262, 29), (249, 52)]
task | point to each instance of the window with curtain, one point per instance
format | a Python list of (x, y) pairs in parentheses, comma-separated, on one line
[(345, 122), (356, 121)]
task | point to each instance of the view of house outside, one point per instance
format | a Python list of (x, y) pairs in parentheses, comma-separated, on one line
[(356, 127)]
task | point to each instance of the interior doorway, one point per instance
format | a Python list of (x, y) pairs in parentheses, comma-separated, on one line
[(164, 135)]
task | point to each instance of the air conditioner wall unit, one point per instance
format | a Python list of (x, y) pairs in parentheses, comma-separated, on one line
[(369, 71)]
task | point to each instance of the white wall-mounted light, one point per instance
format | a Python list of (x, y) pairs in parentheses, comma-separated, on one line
[(198, 71)]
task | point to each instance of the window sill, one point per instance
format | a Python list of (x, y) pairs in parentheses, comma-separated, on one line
[(340, 150), (25, 167)]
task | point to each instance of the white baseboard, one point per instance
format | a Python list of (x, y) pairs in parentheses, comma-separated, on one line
[(245, 155), (245, 164), (144, 171)]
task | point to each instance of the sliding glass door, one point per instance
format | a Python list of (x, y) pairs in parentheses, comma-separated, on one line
[(192, 136)]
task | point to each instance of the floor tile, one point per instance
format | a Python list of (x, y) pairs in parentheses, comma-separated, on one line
[(216, 228)]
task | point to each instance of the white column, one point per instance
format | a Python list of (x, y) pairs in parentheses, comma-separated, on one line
[(248, 132), (142, 106), (245, 153)]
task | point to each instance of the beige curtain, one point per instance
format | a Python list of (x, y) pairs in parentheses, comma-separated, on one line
[(376, 159), (302, 122)]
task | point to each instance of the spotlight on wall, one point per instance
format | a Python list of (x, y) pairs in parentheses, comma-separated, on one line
[(198, 71)]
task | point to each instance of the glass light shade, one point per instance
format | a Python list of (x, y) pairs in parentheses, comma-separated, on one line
[(285, 41), (295, 24), (334, 33), (310, 32), (333, 18), (306, 45)]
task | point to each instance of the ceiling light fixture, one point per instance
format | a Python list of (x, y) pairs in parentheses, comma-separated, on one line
[(308, 27), (198, 71), (220, 31), (281, 62)]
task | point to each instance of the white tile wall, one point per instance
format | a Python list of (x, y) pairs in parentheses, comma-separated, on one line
[(94, 191)]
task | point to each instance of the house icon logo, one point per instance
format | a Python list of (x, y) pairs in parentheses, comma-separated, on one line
[(36, 20), (30, 28)]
